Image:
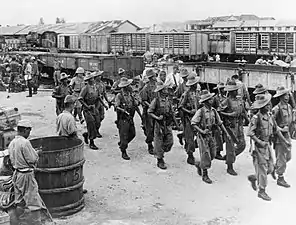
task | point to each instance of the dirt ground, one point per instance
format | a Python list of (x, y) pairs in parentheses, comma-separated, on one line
[(138, 193)]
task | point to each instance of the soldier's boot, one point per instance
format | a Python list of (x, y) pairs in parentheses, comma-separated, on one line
[(205, 177), (253, 181), (150, 149), (230, 170), (92, 145), (180, 137), (161, 164), (219, 156), (191, 159), (262, 194), (199, 171), (99, 135), (124, 155), (85, 136), (281, 182)]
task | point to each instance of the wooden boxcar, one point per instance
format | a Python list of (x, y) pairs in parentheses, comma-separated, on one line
[(123, 42), (265, 43), (84, 43), (179, 43)]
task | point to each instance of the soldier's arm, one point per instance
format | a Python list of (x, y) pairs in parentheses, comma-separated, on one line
[(118, 103), (183, 104), (221, 125), (151, 110), (277, 131), (251, 132), (82, 96), (195, 122)]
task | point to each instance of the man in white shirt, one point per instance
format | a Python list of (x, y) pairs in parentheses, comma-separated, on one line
[(28, 76), (173, 80)]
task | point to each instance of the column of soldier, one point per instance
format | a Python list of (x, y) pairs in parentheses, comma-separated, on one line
[(208, 119)]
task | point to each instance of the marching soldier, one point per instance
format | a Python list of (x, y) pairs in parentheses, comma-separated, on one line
[(189, 106), (161, 111), (161, 76), (76, 85), (242, 92), (126, 107), (115, 89), (205, 120), (60, 92), (234, 114), (101, 87), (218, 99), (147, 94), (283, 115), (262, 129), (57, 72), (178, 94), (89, 100)]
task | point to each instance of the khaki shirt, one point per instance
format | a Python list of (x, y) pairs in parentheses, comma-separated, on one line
[(205, 118), (22, 154), (66, 125)]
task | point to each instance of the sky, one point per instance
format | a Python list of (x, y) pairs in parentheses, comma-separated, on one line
[(141, 12)]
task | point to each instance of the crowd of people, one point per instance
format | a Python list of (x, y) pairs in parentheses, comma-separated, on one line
[(208, 120), (20, 73)]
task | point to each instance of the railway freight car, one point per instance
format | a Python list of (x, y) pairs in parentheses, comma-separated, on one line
[(85, 43), (183, 44), (265, 43), (137, 42)]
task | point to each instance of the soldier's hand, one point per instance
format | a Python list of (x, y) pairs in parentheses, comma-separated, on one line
[(288, 144), (160, 117), (127, 113)]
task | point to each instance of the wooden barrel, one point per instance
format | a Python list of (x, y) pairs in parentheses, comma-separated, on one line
[(59, 174)]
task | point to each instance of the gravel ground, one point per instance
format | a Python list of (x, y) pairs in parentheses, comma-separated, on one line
[(138, 193)]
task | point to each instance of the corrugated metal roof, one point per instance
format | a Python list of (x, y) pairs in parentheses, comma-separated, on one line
[(104, 26), (221, 24), (66, 28), (11, 30)]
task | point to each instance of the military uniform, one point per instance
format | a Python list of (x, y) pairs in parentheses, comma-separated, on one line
[(77, 84), (283, 116), (206, 118), (15, 72), (234, 125), (125, 123), (147, 94), (101, 87), (35, 77), (190, 101), (263, 127), (89, 95), (218, 99), (59, 93), (163, 135)]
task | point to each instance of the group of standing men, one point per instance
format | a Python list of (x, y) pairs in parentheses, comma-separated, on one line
[(208, 120), (27, 71)]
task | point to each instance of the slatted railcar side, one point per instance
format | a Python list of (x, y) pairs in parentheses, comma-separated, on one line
[(265, 43), (124, 42)]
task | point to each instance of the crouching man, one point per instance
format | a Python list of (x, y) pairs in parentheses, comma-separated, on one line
[(30, 208)]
